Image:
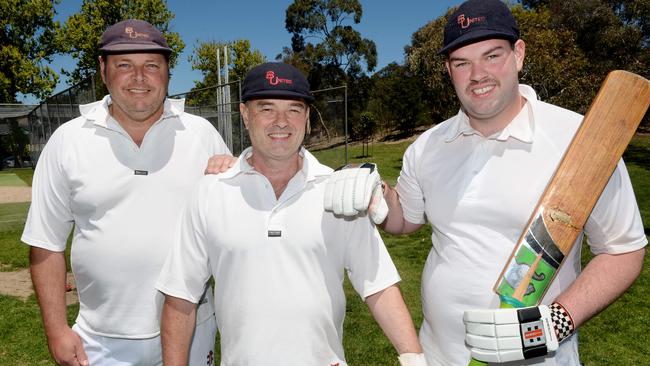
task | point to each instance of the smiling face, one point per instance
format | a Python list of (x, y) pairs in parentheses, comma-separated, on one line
[(276, 128), (485, 76), (138, 85)]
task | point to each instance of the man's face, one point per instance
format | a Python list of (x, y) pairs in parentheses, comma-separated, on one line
[(276, 126), (137, 83), (485, 76)]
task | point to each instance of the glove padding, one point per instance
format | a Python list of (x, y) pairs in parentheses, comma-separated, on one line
[(502, 335), (354, 189), (412, 359)]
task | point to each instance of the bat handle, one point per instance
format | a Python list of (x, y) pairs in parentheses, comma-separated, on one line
[(507, 302)]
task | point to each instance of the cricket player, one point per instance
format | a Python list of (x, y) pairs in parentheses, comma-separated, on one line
[(119, 175), (476, 178), (278, 259)]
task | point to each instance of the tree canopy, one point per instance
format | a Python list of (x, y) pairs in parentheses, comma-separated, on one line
[(323, 40), (80, 34), (241, 58), (26, 44)]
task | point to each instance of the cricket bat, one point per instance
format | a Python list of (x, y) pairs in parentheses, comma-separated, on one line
[(574, 189)]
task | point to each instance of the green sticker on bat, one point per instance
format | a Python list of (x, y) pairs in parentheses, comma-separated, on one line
[(534, 265)]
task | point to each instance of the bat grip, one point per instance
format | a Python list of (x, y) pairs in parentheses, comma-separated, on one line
[(507, 302)]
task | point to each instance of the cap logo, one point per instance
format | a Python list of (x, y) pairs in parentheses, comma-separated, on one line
[(466, 22), (274, 80), (133, 34)]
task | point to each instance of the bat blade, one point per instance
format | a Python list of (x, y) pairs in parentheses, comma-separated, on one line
[(574, 189)]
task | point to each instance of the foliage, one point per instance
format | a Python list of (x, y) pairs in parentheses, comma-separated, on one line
[(15, 142), (398, 97), (26, 42), (241, 58), (366, 126), (338, 50), (80, 34), (423, 62)]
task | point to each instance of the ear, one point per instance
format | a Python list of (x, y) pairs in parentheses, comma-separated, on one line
[(307, 122), (102, 68), (243, 110), (520, 53)]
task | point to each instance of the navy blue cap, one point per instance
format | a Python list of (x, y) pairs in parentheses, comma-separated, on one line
[(133, 35), (478, 20), (276, 80)]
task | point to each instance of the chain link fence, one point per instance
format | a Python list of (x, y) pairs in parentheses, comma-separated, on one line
[(218, 104)]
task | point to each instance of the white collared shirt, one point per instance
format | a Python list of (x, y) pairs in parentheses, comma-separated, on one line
[(478, 194), (123, 200), (278, 265)]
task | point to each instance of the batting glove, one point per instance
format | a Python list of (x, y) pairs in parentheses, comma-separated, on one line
[(503, 335), (412, 359), (354, 189)]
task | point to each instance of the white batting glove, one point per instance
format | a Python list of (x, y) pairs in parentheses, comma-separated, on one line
[(412, 359), (354, 189), (502, 335)]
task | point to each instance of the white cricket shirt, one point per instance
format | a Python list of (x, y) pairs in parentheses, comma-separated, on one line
[(278, 265), (124, 202), (478, 193)]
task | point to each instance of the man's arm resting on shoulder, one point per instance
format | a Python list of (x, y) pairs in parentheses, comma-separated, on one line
[(176, 328), (48, 272), (395, 222), (603, 280), (392, 315)]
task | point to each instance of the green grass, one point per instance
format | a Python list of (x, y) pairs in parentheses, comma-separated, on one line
[(615, 337), (16, 177)]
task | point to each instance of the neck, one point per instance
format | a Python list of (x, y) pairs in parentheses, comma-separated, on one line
[(278, 172), (490, 126), (135, 127)]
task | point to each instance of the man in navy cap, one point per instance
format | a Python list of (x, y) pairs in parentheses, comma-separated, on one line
[(278, 259), (119, 174), (476, 178)]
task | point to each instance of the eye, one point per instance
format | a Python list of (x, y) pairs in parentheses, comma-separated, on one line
[(460, 64), (153, 67), (123, 66)]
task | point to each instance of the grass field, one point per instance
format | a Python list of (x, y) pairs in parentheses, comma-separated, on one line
[(615, 337)]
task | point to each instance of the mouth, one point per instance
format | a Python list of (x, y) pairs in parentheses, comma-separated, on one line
[(279, 135), (482, 90), (138, 90)]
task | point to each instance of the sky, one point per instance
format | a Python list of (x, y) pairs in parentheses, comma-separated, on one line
[(388, 23)]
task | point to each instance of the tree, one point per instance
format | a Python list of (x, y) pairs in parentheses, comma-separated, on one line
[(26, 43), (398, 98), (241, 58), (81, 32), (339, 51)]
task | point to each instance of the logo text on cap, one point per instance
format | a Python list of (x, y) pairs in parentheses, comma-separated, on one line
[(274, 80), (133, 34), (466, 22)]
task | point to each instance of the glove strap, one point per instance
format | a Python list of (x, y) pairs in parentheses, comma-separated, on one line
[(564, 325)]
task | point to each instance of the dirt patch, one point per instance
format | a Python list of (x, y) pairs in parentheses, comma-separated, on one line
[(15, 194), (19, 284)]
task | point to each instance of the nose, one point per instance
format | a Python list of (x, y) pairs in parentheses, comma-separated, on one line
[(138, 73), (478, 72)]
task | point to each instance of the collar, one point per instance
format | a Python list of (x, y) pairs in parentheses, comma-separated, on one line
[(99, 114), (311, 168), (520, 128)]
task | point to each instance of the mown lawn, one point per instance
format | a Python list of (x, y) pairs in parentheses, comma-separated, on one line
[(615, 337)]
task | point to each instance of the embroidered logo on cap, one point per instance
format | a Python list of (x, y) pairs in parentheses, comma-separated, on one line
[(466, 22), (133, 34), (274, 80)]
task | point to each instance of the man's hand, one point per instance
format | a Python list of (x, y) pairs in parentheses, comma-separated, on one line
[(219, 164), (66, 348), (354, 189), (503, 335)]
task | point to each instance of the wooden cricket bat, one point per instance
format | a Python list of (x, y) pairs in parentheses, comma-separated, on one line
[(574, 189)]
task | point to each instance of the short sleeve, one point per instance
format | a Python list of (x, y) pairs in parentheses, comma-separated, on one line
[(615, 225), (50, 218), (186, 268), (410, 193)]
